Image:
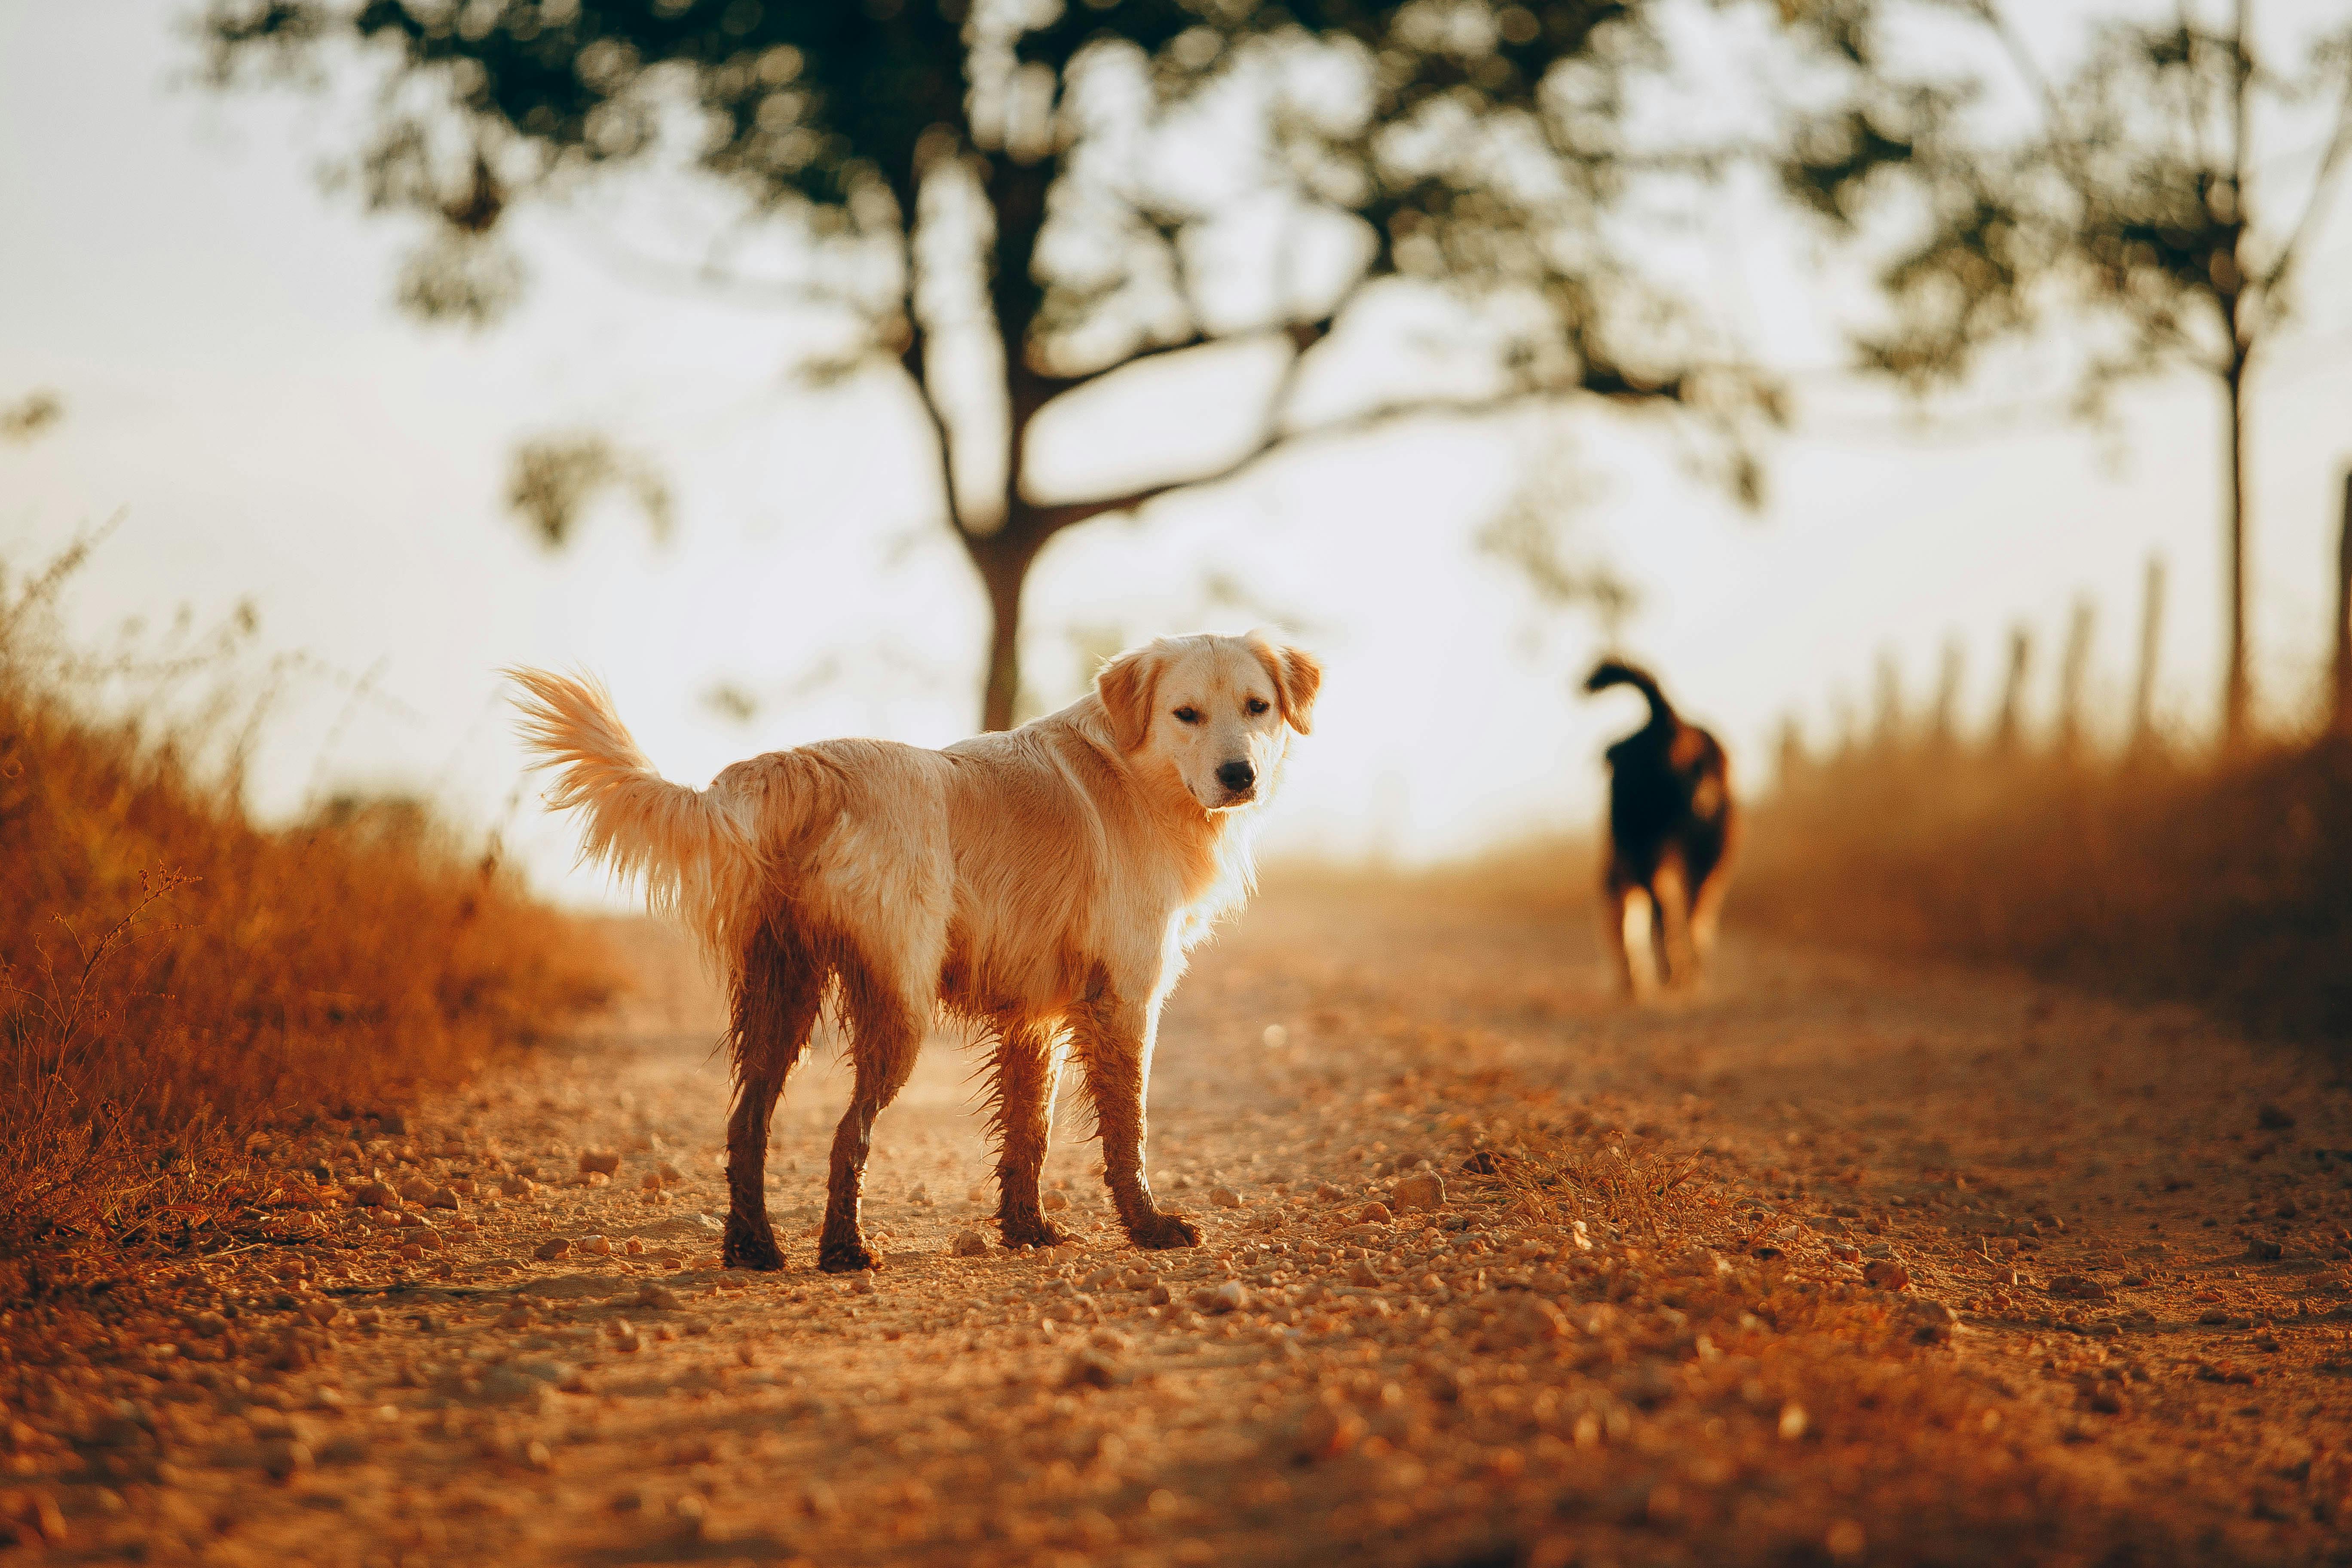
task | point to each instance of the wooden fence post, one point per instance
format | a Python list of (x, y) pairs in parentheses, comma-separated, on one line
[(2012, 695), (1945, 721), (2151, 633), (2342, 715), (2074, 673)]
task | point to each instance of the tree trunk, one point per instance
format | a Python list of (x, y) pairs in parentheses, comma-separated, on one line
[(1003, 560), (2237, 690)]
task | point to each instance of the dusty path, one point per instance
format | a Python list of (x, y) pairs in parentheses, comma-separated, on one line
[(1872, 1267)]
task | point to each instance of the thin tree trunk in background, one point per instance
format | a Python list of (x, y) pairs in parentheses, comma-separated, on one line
[(2151, 633), (2342, 715), (2237, 691)]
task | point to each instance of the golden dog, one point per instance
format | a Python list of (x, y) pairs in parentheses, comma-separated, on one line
[(1043, 885)]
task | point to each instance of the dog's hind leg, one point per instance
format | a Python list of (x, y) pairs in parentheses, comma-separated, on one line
[(775, 1005), (1114, 1041), (1630, 915), (1026, 1068), (1671, 887), (1707, 914), (885, 1034)]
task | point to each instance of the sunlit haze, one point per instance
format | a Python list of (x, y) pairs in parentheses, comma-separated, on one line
[(240, 391)]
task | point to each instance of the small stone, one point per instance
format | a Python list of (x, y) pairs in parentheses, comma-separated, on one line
[(284, 1458), (660, 1297), (1329, 1431), (599, 1162), (1792, 1421), (2261, 1249), (2077, 1287), (670, 1174), (1363, 1273), (1885, 1274), (442, 1198), (374, 1195), (1224, 1198), (1425, 1191), (651, 1181), (969, 1244), (1326, 1193), (1054, 1202), (633, 1246), (1375, 1214), (552, 1248), (2274, 1119), (595, 1247), (1230, 1297), (1090, 1369)]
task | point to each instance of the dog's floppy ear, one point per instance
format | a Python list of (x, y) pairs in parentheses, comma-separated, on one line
[(1297, 678), (1128, 685)]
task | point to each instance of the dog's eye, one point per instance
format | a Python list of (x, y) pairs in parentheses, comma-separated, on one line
[(1188, 715), (1258, 705)]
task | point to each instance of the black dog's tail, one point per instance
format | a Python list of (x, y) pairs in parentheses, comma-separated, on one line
[(1617, 672)]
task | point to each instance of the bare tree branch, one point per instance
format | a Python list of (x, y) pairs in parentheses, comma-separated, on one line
[(2339, 144), (916, 359), (706, 281)]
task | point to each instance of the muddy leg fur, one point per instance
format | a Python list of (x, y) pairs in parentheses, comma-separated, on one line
[(1114, 1042), (775, 1006), (886, 1034), (1027, 1065)]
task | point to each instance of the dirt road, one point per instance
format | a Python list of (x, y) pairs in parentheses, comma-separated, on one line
[(1832, 1265)]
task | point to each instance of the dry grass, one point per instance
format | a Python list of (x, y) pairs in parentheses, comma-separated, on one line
[(175, 980), (2224, 882)]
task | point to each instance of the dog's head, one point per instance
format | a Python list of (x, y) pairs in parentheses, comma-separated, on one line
[(1218, 711)]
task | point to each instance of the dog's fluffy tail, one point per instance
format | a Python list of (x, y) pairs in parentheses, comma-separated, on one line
[(697, 851)]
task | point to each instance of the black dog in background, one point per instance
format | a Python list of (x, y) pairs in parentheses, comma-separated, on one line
[(1673, 833)]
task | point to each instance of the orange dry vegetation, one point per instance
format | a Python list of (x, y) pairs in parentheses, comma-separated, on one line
[(174, 977), (2226, 882)]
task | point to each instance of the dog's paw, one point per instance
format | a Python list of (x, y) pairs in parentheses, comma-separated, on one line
[(1029, 1230), (845, 1258), (746, 1248), (1163, 1231)]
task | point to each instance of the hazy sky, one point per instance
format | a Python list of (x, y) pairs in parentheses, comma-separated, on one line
[(240, 391)]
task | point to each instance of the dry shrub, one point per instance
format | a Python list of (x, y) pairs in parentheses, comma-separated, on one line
[(2222, 881), (175, 977)]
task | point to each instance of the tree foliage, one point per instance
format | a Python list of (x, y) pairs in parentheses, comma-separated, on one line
[(1063, 188), (2132, 206)]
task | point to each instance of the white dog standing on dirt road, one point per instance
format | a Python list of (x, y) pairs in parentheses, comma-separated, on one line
[(1042, 884)]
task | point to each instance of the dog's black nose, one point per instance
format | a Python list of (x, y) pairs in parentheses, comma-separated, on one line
[(1237, 777)]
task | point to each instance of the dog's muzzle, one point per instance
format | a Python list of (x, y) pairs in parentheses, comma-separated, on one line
[(1239, 780)]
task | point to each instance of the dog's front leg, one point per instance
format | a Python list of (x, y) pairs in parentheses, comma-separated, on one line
[(1028, 1063), (1115, 1042)]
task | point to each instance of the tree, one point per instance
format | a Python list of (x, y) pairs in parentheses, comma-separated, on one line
[(991, 182), (2130, 201)]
